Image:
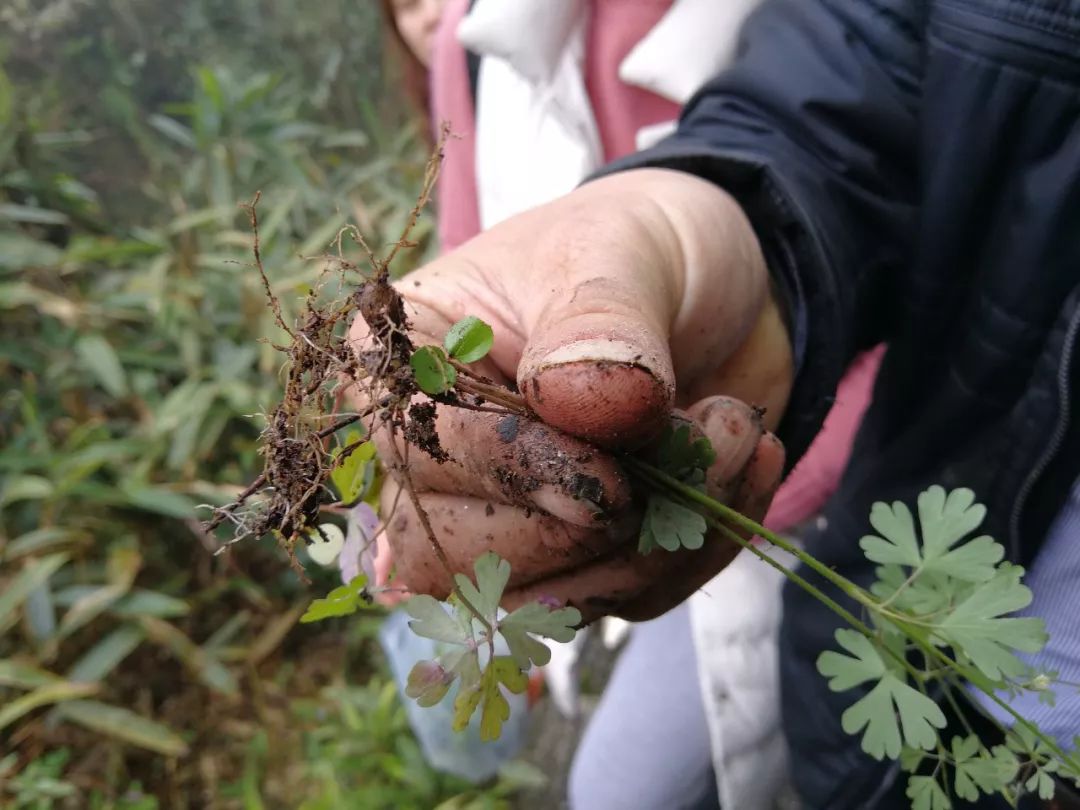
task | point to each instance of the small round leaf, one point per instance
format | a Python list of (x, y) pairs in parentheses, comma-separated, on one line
[(469, 339), (432, 370)]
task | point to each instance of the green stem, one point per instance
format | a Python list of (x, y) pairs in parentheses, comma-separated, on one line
[(741, 521), (955, 666), (674, 486), (817, 593), (956, 705), (803, 583)]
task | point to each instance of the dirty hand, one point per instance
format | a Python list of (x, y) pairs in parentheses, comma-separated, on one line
[(635, 295)]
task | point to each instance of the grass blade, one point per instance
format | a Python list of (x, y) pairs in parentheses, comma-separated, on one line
[(29, 578), (24, 676), (103, 657), (43, 696), (124, 725)]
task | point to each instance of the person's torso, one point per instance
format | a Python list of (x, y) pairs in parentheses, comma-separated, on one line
[(977, 388)]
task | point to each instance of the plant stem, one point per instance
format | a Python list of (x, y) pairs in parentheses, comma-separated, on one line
[(803, 583), (740, 520), (496, 394), (847, 586), (955, 666)]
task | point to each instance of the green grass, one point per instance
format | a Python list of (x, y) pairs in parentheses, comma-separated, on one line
[(137, 669)]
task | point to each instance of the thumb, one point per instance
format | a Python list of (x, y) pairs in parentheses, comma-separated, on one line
[(597, 360), (637, 263), (599, 366)]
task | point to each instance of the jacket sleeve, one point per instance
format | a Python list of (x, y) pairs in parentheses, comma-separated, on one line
[(814, 129)]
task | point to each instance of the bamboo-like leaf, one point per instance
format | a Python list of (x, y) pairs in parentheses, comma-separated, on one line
[(99, 357), (103, 657), (124, 565), (16, 592), (124, 725), (204, 666), (43, 696), (22, 675), (39, 540)]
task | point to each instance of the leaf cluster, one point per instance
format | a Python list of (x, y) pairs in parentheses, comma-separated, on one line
[(467, 341), (472, 660), (948, 597)]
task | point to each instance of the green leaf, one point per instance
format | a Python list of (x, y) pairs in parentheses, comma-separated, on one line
[(32, 575), (158, 500), (206, 667), (43, 696), (927, 794), (173, 129), (926, 594), (19, 252), (848, 671), (469, 689), (1042, 783), (892, 712), (492, 574), (342, 601), (103, 657), (31, 214), (100, 358), (944, 521), (39, 540), (124, 564), (140, 602), (483, 690), (980, 770), (124, 725), (24, 676), (432, 370), (352, 476), (26, 488), (1037, 755), (670, 526), (679, 457), (911, 759), (431, 620), (469, 340), (496, 709), (1072, 762), (536, 619), (975, 627)]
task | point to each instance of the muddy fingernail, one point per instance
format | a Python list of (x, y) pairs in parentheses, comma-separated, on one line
[(556, 502), (601, 390)]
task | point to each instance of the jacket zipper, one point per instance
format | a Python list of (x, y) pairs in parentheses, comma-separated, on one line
[(1056, 439)]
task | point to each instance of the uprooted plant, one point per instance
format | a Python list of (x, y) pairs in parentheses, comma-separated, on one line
[(933, 626), (286, 499)]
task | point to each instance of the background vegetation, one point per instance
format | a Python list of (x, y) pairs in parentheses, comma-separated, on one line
[(137, 670)]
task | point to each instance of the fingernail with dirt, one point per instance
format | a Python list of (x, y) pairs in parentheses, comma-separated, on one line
[(600, 390), (555, 501)]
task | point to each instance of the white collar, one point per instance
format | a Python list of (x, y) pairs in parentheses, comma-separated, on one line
[(693, 40), (531, 35)]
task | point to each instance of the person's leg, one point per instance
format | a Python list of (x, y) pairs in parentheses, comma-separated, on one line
[(647, 745)]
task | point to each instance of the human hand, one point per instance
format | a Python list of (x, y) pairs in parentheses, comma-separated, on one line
[(638, 293)]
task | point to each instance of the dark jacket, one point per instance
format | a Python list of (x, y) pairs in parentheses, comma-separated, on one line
[(912, 168)]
